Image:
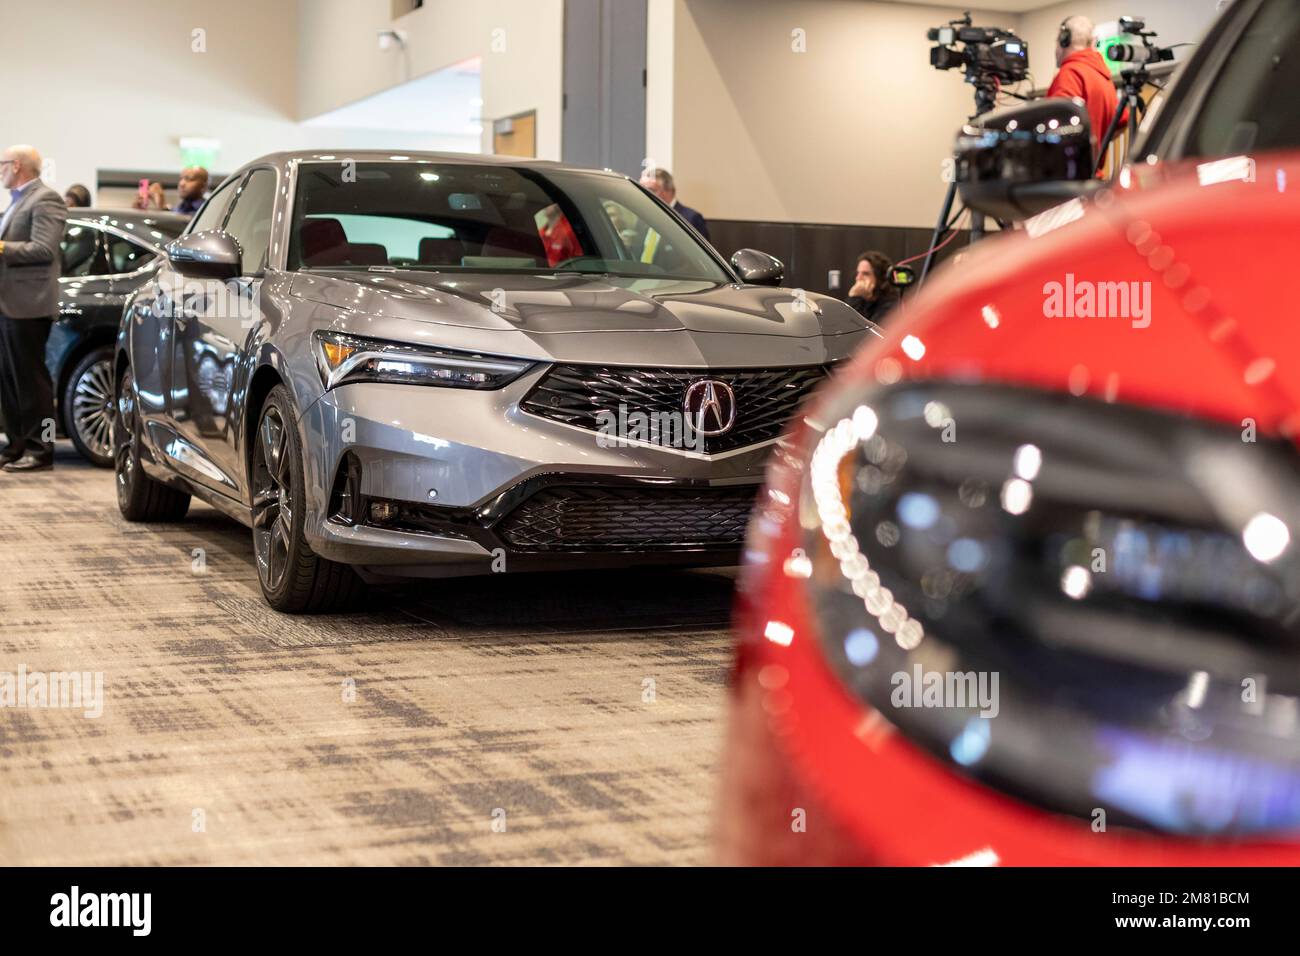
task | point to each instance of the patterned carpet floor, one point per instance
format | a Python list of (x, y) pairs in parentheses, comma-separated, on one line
[(505, 720)]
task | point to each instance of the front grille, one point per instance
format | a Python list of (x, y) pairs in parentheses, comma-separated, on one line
[(766, 399), (633, 517)]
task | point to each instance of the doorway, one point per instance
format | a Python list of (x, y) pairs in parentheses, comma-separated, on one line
[(516, 135)]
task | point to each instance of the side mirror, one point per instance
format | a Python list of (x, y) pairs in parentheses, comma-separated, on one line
[(1017, 162), (757, 268), (211, 254)]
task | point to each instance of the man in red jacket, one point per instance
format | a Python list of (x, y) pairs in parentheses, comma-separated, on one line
[(1083, 73)]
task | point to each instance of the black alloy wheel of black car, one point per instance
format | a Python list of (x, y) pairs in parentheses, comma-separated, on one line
[(87, 405)]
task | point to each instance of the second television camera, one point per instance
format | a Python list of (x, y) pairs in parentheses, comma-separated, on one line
[(985, 53), (1148, 52)]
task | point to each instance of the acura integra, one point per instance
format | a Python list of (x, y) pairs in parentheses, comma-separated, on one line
[(426, 365)]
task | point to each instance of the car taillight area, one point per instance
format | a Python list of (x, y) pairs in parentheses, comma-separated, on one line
[(1051, 608)]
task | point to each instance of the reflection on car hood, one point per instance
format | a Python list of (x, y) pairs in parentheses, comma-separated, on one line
[(558, 304)]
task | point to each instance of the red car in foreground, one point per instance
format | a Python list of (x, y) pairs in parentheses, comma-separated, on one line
[(1023, 587)]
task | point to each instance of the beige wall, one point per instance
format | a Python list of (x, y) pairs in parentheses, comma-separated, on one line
[(855, 129), (520, 42), (134, 85), (852, 131), (1176, 21), (660, 31)]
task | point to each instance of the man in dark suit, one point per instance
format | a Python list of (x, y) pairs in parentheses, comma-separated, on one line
[(660, 182), (31, 229)]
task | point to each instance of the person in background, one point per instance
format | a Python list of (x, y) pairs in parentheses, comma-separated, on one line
[(31, 229), (660, 182), (1083, 74), (76, 196), (872, 294), (191, 189)]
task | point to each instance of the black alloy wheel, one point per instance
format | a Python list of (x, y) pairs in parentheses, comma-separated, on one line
[(294, 578)]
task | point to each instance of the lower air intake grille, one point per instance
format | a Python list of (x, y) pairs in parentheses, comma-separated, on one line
[(606, 518)]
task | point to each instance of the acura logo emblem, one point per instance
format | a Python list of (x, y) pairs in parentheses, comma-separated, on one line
[(710, 407)]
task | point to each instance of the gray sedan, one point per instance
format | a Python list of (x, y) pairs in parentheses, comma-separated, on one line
[(394, 367)]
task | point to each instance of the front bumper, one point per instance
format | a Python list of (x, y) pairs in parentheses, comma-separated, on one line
[(462, 466)]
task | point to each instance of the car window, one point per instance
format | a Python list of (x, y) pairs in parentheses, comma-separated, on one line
[(401, 239), (1251, 105), (125, 255), (214, 210), (488, 218), (639, 239), (250, 220), (78, 249)]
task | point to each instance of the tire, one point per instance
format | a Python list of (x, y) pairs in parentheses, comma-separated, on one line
[(294, 578), (139, 497), (87, 406)]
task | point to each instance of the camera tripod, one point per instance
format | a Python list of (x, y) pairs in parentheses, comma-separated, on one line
[(1130, 101), (986, 90)]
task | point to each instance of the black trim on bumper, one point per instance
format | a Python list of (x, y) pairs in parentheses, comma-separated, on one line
[(499, 524)]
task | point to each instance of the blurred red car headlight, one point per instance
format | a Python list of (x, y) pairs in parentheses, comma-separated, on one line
[(1080, 605), (1100, 601)]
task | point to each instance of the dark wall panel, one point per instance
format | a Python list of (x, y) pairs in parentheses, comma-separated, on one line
[(810, 250)]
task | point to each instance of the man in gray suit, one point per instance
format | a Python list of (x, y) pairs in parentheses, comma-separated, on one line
[(30, 261)]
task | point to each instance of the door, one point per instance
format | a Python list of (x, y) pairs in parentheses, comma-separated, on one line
[(101, 267), (82, 284), (604, 84), (516, 136), (152, 348), (87, 308), (209, 332)]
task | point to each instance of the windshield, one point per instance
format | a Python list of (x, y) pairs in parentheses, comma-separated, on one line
[(458, 217), (1251, 105)]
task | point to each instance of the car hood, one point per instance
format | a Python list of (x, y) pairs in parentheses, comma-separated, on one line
[(555, 305), (589, 318)]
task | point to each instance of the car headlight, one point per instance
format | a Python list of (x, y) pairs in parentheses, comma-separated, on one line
[(1087, 604), (344, 358)]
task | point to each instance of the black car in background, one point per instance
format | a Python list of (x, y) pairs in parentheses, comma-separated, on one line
[(107, 255)]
